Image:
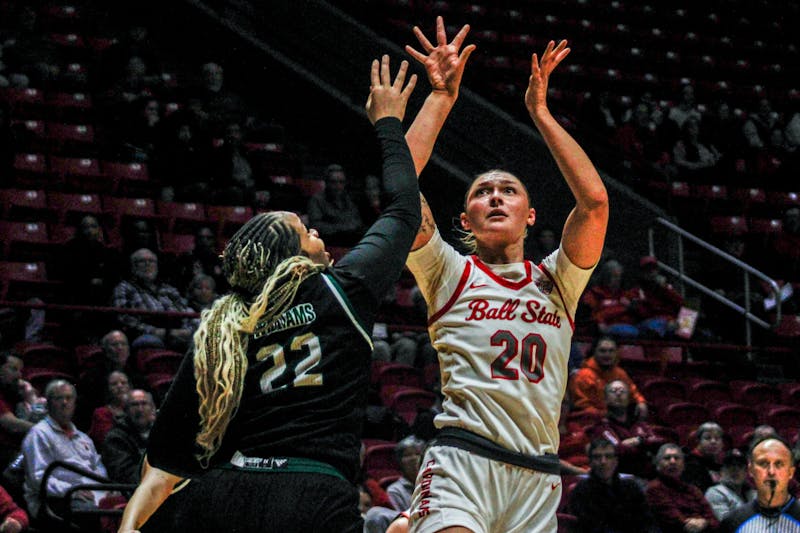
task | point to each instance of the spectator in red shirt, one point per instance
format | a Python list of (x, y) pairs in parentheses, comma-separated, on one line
[(12, 518), (678, 506), (12, 428)]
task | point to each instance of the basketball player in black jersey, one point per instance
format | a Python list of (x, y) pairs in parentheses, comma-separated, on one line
[(261, 428)]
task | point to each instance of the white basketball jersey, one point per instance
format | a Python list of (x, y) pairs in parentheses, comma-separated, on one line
[(503, 335)]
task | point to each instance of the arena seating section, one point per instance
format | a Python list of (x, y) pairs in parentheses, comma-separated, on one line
[(727, 51)]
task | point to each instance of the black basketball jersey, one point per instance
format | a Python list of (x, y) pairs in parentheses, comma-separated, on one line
[(308, 369)]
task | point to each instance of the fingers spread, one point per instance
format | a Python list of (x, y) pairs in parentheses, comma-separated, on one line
[(386, 75), (441, 36), (375, 79), (458, 40), (426, 44), (415, 54), (412, 82), (401, 75)]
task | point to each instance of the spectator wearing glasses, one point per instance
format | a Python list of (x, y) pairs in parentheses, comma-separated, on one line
[(587, 385), (144, 291)]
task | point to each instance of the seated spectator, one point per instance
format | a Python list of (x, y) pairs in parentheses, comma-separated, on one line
[(409, 453), (333, 213), (12, 428), (732, 490), (144, 291), (57, 439), (203, 259), (634, 440), (677, 506), (201, 292), (696, 162), (91, 268), (219, 105), (655, 302), (104, 418), (609, 302), (233, 179), (703, 463), (138, 233), (587, 385), (126, 442), (181, 160), (685, 109), (605, 501), (93, 382), (12, 518)]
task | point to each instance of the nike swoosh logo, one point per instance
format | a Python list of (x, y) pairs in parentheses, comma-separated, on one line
[(554, 486), (476, 285)]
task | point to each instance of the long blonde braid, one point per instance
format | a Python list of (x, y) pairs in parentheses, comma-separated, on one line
[(261, 258)]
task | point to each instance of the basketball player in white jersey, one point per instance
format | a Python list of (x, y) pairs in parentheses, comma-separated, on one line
[(501, 325)]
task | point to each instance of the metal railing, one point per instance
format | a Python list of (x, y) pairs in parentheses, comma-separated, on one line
[(747, 271)]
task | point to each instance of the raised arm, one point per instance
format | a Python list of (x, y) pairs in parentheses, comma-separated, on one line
[(444, 65), (585, 229)]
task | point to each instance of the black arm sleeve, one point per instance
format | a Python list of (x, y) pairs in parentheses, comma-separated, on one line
[(378, 259)]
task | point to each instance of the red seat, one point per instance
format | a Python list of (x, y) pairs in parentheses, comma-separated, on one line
[(31, 163), (753, 393), (176, 244), (707, 391), (40, 377), (46, 355), (26, 241), (409, 401), (782, 418), (21, 280), (88, 356), (399, 374), (158, 361), (729, 225), (25, 205), (683, 413), (309, 187), (159, 385), (229, 218), (81, 174), (765, 226), (66, 136), (734, 414), (380, 461), (566, 522), (129, 179), (790, 393), (183, 217), (662, 391), (782, 199), (118, 209), (71, 207)]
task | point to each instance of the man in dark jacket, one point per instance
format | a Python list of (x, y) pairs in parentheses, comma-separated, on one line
[(605, 501), (126, 442)]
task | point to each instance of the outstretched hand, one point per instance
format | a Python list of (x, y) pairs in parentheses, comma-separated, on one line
[(387, 98), (443, 63), (536, 94)]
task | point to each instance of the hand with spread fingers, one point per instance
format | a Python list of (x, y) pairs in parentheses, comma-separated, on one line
[(387, 98), (443, 62), (536, 94)]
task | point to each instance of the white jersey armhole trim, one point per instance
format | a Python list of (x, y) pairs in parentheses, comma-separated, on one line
[(338, 295)]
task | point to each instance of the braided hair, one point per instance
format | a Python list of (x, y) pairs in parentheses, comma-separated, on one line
[(263, 265)]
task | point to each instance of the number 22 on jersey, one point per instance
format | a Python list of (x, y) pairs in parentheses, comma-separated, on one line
[(305, 353)]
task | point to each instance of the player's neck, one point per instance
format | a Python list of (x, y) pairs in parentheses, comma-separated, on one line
[(513, 253)]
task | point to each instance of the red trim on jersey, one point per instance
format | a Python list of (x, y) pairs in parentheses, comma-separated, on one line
[(459, 288), (546, 273), (513, 285)]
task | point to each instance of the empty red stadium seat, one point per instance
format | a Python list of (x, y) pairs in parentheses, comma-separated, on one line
[(380, 461), (733, 414), (409, 401), (683, 413), (753, 393), (71, 207)]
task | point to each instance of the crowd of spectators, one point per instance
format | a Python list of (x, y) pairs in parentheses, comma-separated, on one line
[(196, 141)]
